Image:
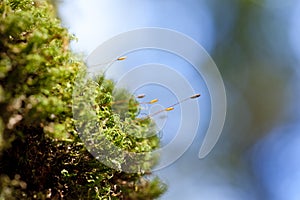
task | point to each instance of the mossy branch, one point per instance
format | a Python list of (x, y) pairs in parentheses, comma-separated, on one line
[(41, 153)]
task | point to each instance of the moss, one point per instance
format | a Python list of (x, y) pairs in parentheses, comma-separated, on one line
[(41, 153)]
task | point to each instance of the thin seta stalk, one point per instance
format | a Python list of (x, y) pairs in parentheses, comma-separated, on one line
[(171, 107), (108, 63)]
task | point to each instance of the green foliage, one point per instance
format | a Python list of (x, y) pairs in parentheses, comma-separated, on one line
[(41, 154), (108, 126)]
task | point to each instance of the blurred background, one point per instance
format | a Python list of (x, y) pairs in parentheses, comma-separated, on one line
[(256, 46)]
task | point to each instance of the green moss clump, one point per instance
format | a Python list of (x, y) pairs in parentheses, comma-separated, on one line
[(41, 153)]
